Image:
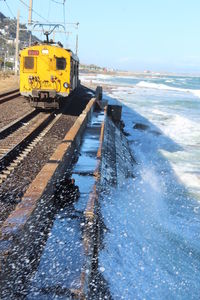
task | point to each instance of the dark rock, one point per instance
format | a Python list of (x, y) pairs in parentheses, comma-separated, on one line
[(156, 132), (140, 126), (66, 191), (2, 16)]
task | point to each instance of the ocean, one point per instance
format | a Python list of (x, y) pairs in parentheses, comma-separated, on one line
[(152, 242)]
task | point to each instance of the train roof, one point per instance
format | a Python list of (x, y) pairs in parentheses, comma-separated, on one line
[(74, 56), (57, 45)]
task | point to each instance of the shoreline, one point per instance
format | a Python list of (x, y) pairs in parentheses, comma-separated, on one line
[(106, 87), (136, 74), (147, 82)]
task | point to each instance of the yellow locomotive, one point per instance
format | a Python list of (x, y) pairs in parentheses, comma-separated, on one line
[(47, 73)]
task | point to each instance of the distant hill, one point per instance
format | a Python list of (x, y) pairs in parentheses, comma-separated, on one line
[(8, 35), (2, 16)]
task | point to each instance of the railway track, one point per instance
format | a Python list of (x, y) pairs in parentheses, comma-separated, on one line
[(18, 139), (56, 222), (9, 95), (58, 209), (16, 124)]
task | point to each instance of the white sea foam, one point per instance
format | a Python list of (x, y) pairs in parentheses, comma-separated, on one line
[(104, 76), (123, 89), (151, 85), (87, 78), (195, 92), (169, 81), (159, 112), (182, 129), (191, 180), (158, 219), (97, 79)]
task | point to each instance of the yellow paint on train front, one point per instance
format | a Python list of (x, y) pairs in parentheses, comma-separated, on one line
[(39, 69)]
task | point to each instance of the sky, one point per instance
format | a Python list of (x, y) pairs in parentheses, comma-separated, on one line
[(136, 35)]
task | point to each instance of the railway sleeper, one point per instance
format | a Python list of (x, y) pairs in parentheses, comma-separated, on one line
[(20, 152), (9, 97)]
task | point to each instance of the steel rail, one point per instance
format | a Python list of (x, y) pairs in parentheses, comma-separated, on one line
[(12, 154), (9, 95), (16, 124)]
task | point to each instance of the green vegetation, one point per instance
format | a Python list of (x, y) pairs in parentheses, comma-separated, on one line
[(9, 65)]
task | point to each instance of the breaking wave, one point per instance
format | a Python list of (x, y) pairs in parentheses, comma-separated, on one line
[(151, 85)]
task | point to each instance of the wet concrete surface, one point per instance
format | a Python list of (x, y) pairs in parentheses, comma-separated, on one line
[(63, 259)]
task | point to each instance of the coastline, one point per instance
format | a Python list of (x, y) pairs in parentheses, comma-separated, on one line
[(136, 73)]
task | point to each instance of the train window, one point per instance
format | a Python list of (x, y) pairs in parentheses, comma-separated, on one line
[(28, 62), (60, 63)]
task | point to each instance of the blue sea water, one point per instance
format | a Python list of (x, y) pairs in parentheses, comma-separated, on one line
[(152, 245)]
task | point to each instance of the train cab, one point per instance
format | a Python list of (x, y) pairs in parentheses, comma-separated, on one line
[(47, 73)]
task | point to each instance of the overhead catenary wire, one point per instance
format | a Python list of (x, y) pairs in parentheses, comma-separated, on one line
[(9, 8), (64, 14), (49, 8), (61, 3), (11, 20), (1, 36), (22, 1)]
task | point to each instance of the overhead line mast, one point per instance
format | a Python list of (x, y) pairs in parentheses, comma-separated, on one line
[(27, 6), (30, 12), (17, 45)]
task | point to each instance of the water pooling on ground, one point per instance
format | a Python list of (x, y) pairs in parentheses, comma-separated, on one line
[(152, 246), (63, 259)]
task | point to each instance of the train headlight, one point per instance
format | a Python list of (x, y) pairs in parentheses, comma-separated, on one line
[(66, 85)]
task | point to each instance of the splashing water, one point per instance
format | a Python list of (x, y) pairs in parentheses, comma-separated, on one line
[(152, 245)]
